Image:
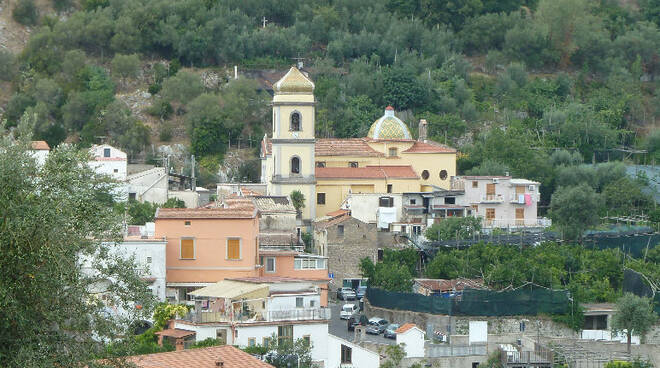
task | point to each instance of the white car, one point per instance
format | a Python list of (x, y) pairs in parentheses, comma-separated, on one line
[(348, 310)]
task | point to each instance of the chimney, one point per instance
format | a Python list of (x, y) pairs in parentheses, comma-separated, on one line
[(219, 363), (422, 130)]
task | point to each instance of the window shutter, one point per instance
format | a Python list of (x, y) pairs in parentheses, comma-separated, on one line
[(187, 248), (233, 248)]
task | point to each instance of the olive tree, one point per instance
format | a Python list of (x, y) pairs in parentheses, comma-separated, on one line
[(634, 315), (57, 277)]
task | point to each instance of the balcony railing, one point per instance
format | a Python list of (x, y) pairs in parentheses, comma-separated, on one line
[(492, 198), (515, 198), (504, 223), (298, 314), (457, 184)]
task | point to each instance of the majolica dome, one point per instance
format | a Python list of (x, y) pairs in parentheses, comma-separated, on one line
[(389, 126), (294, 82)]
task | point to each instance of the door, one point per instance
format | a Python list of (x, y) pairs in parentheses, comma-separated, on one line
[(490, 216), (490, 191), (520, 217)]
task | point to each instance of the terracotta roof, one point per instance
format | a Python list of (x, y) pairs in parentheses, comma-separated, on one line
[(40, 145), (175, 332), (429, 147), (405, 327), (441, 285), (230, 356), (206, 213), (332, 221), (276, 279), (273, 204), (345, 147), (368, 172), (339, 212)]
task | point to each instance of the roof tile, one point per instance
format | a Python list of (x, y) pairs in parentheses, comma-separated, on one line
[(345, 147), (230, 356), (40, 145), (429, 147)]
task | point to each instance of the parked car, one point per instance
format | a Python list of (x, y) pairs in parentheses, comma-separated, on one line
[(390, 331), (360, 291), (346, 293), (356, 320), (376, 326), (348, 310)]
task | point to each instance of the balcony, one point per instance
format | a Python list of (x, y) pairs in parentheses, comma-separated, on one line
[(457, 184), (492, 198), (515, 198), (300, 314), (516, 223)]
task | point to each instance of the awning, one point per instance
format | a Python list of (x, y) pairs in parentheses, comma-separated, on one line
[(230, 289)]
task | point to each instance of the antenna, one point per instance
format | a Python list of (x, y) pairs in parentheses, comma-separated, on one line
[(299, 61)]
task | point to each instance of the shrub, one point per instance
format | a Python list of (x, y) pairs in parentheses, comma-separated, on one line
[(7, 65), (25, 12), (165, 134)]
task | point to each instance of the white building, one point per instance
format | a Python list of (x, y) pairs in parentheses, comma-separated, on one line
[(501, 201), (245, 312), (412, 338), (40, 151), (345, 354), (109, 160), (149, 185)]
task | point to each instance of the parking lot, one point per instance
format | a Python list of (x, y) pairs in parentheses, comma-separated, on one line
[(338, 326)]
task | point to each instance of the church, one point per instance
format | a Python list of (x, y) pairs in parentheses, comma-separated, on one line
[(326, 171)]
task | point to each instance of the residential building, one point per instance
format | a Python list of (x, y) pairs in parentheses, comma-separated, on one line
[(149, 185), (206, 245), (250, 311), (225, 356), (278, 227), (388, 160), (502, 201), (598, 324), (413, 339), (40, 151), (109, 160), (346, 354), (345, 240)]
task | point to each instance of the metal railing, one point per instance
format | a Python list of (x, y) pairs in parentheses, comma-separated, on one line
[(528, 357), (445, 350), (504, 223), (492, 198), (301, 314)]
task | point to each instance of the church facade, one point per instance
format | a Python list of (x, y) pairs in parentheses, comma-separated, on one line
[(326, 171)]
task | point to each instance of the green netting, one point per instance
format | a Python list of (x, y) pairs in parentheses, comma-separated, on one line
[(656, 302), (635, 245), (476, 302)]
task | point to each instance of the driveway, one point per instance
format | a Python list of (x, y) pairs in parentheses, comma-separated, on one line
[(338, 326)]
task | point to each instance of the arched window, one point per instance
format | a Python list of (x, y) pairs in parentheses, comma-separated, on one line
[(295, 165), (295, 121), (443, 174)]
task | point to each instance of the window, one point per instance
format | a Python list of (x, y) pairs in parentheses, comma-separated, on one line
[(475, 184), (320, 198), (187, 248), (413, 201), (312, 303), (380, 255), (115, 170), (320, 163), (234, 248), (443, 174), (307, 340), (106, 152), (131, 196), (270, 264), (295, 165), (148, 259), (425, 174), (353, 164), (490, 189), (346, 353), (265, 341), (299, 302), (392, 152), (475, 208), (295, 121), (340, 230), (252, 341), (403, 228), (490, 213), (522, 326), (389, 188), (285, 334), (417, 230), (186, 223), (385, 202), (309, 263), (450, 200)]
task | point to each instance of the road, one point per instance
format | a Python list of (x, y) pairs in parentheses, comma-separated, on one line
[(338, 326)]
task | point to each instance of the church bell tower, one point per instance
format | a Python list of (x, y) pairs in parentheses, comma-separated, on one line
[(293, 140)]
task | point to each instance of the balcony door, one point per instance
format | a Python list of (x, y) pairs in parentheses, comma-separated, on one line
[(520, 216), (490, 191)]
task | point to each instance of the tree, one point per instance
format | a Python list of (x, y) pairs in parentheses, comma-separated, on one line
[(7, 65), (174, 203), (25, 12), (289, 353), (453, 227), (182, 88), (634, 315), (164, 312), (141, 212), (395, 354), (489, 167), (206, 121), (53, 217), (575, 209), (298, 200), (126, 66), (625, 197)]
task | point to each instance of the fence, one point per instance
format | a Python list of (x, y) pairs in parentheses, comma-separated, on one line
[(476, 302), (447, 350)]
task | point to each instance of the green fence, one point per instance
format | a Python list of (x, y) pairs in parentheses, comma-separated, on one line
[(635, 245), (476, 302)]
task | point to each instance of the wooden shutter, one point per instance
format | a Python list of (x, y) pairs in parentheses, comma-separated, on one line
[(187, 248), (520, 213), (233, 248), (490, 213), (490, 189), (520, 189)]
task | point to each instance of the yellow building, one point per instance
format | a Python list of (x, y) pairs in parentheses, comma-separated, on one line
[(388, 160)]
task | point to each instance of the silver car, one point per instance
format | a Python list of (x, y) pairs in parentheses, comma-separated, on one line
[(346, 293), (376, 326)]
